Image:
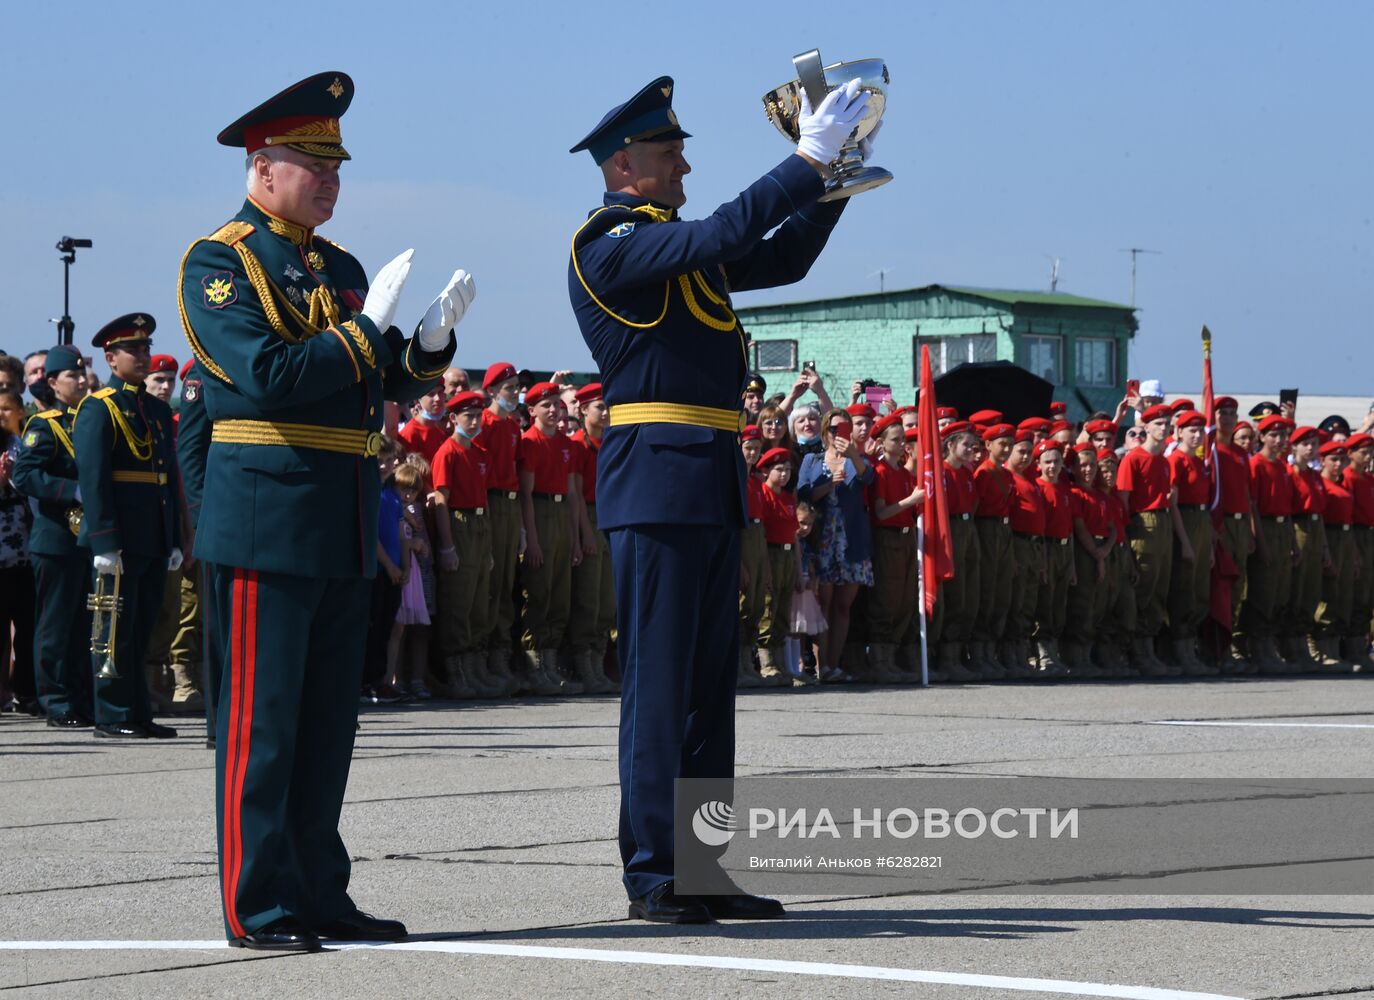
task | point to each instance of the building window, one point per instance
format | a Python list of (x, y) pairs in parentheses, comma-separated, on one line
[(950, 352), (1045, 357), (1096, 362), (775, 355)]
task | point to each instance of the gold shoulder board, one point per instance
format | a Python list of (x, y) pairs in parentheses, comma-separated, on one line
[(47, 414), (231, 233)]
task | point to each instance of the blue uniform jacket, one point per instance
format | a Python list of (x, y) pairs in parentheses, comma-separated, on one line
[(273, 314), (652, 297), (45, 472), (193, 441), (127, 467)]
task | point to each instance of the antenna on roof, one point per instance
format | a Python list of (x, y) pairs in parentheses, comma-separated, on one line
[(1135, 252), (1054, 272), (881, 275)]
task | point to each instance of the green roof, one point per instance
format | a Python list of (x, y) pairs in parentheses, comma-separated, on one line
[(1013, 297)]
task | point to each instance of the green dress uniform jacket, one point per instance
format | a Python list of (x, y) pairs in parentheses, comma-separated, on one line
[(45, 472)]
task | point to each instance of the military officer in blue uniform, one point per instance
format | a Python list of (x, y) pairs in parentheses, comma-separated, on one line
[(652, 297), (45, 471), (299, 356), (131, 521), (193, 448)]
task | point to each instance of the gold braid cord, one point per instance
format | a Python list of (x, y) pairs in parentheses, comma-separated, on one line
[(59, 432), (141, 447)]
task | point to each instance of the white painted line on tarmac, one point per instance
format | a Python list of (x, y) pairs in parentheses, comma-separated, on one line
[(1060, 987), (1266, 725)]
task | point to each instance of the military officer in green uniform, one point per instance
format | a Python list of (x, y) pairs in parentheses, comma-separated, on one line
[(45, 471), (193, 448), (127, 471), (299, 357)]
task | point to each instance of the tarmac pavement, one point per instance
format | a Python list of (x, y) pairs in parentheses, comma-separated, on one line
[(489, 829)]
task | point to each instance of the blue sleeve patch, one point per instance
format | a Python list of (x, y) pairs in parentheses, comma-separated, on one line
[(624, 229)]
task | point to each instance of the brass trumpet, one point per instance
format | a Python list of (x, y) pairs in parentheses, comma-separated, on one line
[(105, 605)]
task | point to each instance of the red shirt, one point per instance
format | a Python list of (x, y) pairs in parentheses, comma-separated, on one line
[(1233, 466), (463, 472), (549, 457), (1090, 507), (1362, 492), (1308, 495), (1340, 504), (779, 516), (995, 490), (1028, 507), (1190, 478), (1271, 486), (1119, 514), (1058, 508), (501, 437), (755, 494), (585, 463), (960, 494), (424, 436), (888, 487), (1147, 478)]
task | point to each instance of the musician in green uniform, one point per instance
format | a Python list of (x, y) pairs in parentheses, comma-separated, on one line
[(127, 471)]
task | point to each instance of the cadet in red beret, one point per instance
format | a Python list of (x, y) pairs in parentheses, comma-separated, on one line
[(784, 563), (1298, 641), (1117, 629), (862, 416), (500, 436), (989, 657), (1058, 409), (162, 376), (1028, 544), (986, 417), (1102, 433), (1233, 529), (1190, 582), (755, 578), (894, 499), (1269, 569), (1144, 482), (1094, 541), (956, 607), (1052, 604), (593, 587), (1359, 480), (1338, 582), (945, 415), (1038, 426)]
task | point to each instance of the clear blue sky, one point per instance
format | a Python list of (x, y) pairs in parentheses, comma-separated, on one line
[(1234, 137)]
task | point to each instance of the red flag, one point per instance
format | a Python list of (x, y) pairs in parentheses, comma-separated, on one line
[(937, 558)]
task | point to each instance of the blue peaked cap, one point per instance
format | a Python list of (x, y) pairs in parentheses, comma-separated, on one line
[(646, 117)]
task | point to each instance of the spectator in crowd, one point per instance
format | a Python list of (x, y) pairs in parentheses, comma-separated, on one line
[(784, 563), (894, 498), (386, 585), (1270, 570), (807, 381), (1190, 581), (408, 648), (16, 570), (1052, 603), (806, 430), (11, 374), (455, 381), (429, 426), (808, 623), (755, 580), (753, 398), (1338, 582), (773, 432), (34, 371), (1145, 483), (834, 481)]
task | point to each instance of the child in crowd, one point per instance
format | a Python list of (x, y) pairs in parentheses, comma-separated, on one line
[(808, 621), (754, 578), (408, 651), (894, 499), (386, 585), (1060, 575), (784, 559)]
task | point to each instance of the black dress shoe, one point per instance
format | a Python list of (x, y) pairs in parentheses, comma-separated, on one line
[(157, 732), (120, 730), (360, 926), (743, 907), (68, 720), (663, 906), (282, 934)]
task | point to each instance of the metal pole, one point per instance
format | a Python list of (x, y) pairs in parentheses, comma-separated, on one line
[(921, 596)]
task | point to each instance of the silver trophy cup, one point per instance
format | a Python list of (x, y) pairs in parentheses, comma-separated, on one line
[(783, 105)]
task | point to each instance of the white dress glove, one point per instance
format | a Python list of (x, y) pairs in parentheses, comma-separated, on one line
[(175, 560), (866, 143), (385, 292), (825, 130), (447, 310), (106, 563)]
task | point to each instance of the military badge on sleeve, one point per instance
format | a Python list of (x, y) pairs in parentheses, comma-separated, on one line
[(31, 439), (190, 390), (219, 289), (624, 229)]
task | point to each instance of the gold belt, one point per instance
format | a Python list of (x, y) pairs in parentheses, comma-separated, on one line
[(147, 478), (361, 443), (677, 413)]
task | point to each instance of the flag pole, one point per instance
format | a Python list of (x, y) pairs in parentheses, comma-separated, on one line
[(921, 590)]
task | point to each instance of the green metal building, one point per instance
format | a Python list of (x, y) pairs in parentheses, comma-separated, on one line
[(1080, 345)]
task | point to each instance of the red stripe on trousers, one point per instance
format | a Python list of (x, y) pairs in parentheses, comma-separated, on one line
[(242, 662)]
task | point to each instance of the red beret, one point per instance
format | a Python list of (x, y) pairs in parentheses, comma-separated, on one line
[(1225, 403), (986, 417), (1182, 403), (861, 410), (1357, 441), (912, 434), (958, 427), (1160, 411), (751, 433), (1303, 432), (589, 392), (1103, 454), (999, 431), (1057, 408), (539, 392), (162, 363), (1100, 427), (904, 409), (186, 368), (465, 401), (946, 413), (1024, 434), (1034, 424), (1244, 424), (883, 423), (497, 374), (1086, 448), (1333, 448), (1189, 418), (1274, 422), (1049, 444), (1060, 425), (773, 456)]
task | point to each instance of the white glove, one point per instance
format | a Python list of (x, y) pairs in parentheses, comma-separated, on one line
[(175, 560), (866, 143), (107, 563), (825, 130), (385, 292), (447, 310)]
